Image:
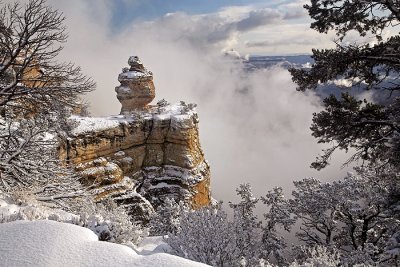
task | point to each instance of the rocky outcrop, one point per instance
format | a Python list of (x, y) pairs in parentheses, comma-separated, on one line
[(137, 89), (142, 157)]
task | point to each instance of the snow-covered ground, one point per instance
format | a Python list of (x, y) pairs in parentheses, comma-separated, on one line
[(50, 243)]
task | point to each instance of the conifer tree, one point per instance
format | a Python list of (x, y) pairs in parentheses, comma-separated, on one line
[(371, 128)]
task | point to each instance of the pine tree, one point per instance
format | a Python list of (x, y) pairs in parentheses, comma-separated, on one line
[(372, 129), (277, 218), (247, 227)]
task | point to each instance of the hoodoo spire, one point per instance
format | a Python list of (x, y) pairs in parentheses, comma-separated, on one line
[(137, 89)]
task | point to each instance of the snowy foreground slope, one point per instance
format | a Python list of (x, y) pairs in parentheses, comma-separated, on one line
[(50, 243)]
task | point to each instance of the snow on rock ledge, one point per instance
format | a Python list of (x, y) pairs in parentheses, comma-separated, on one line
[(157, 149)]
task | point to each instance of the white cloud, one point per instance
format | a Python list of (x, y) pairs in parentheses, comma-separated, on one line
[(233, 13), (258, 18), (284, 39), (226, 29), (295, 9), (221, 29)]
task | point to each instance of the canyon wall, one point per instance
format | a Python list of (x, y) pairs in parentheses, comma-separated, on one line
[(144, 155), (141, 158)]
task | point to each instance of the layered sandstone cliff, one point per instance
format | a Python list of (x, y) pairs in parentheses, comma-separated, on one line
[(142, 157)]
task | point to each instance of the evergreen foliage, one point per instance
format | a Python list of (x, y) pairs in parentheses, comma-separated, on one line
[(370, 128)]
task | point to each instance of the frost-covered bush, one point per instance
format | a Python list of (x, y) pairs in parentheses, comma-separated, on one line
[(25, 214), (362, 256), (208, 235), (392, 250), (205, 235), (14, 208), (49, 196), (112, 223), (20, 197), (317, 256), (166, 219), (357, 214)]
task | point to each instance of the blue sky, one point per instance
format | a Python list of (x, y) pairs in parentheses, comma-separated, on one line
[(127, 10)]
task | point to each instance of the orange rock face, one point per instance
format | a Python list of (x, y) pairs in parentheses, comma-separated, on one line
[(143, 156), (156, 152)]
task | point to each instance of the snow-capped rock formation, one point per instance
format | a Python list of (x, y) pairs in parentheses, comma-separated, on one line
[(141, 157), (137, 88)]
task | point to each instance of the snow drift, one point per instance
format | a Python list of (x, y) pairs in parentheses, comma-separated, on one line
[(49, 243)]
